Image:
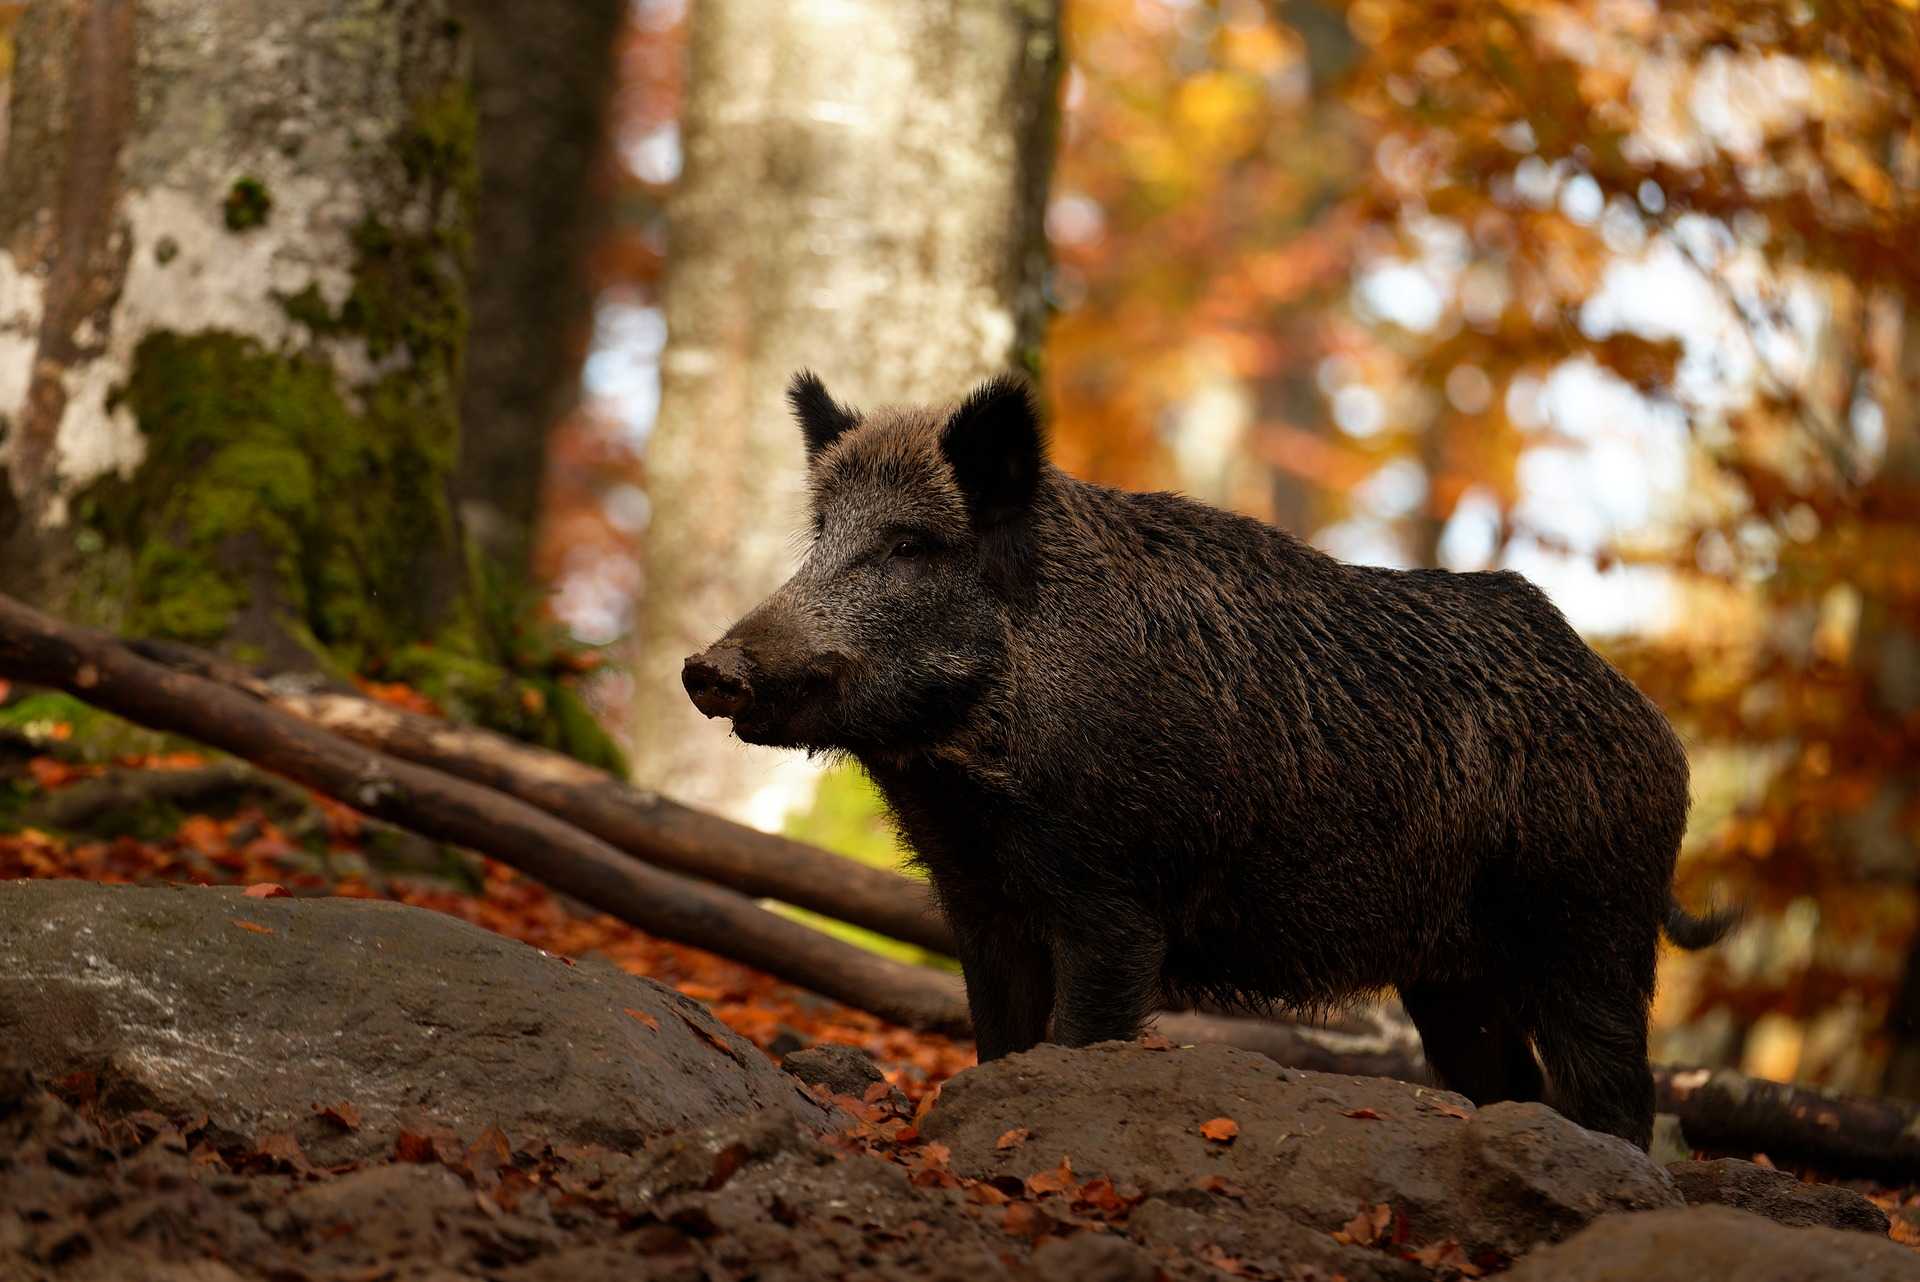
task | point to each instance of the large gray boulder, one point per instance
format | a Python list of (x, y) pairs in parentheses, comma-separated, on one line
[(1716, 1242), (262, 1012), (1313, 1150)]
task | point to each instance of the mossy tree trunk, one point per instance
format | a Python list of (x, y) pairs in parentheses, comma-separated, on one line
[(862, 194), (233, 303)]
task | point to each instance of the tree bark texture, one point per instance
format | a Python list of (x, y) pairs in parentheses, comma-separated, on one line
[(863, 190), (232, 316), (541, 90)]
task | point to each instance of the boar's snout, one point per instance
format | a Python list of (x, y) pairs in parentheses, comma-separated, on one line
[(718, 680)]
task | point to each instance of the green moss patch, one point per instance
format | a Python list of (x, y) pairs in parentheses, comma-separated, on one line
[(259, 475), (247, 204)]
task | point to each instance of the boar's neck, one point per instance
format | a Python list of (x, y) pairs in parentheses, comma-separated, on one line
[(948, 807)]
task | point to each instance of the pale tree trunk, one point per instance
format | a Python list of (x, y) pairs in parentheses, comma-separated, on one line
[(862, 195), (232, 316)]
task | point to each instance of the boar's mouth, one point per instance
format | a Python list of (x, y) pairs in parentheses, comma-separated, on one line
[(773, 708)]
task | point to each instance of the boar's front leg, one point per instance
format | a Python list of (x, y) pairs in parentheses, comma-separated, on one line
[(1108, 970), (1006, 963), (1009, 976)]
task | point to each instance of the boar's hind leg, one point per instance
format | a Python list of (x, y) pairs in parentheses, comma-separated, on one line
[(1108, 976), (1009, 978), (1593, 1041), (1473, 1042)]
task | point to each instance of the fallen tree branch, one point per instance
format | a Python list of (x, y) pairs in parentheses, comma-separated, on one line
[(1852, 1134), (641, 823), (1371, 1049), (85, 803), (99, 670)]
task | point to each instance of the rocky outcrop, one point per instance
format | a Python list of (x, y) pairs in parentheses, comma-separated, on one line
[(1309, 1152), (212, 1087), (265, 1014)]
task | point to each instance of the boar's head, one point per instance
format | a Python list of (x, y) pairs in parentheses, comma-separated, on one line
[(898, 617)]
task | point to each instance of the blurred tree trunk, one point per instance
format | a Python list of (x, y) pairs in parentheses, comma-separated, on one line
[(863, 192), (232, 316), (542, 90), (1883, 831)]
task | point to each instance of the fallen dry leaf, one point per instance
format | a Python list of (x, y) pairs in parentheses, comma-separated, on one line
[(490, 1150), (413, 1147), (268, 890), (253, 926), (1101, 1195), (282, 1147), (1024, 1219), (1155, 1042), (1365, 1228), (1054, 1181), (1364, 1113), (346, 1114), (1230, 1265), (1221, 1130), (1448, 1254), (643, 1017), (1014, 1138)]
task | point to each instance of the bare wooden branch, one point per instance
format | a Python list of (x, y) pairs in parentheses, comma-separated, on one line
[(1838, 1133), (101, 671), (643, 824), (1373, 1050), (118, 791)]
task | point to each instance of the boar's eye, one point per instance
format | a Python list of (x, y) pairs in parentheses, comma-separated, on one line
[(909, 547)]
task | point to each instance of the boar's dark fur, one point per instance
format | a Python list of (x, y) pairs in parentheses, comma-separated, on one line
[(1145, 748)]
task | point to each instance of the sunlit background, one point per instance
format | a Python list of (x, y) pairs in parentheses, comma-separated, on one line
[(1616, 294)]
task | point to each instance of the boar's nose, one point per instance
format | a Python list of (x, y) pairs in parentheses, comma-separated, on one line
[(716, 681)]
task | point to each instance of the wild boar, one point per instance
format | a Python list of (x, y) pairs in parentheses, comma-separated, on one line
[(1148, 749)]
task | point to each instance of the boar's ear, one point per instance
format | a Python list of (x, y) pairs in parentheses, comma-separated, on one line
[(822, 419), (994, 443)]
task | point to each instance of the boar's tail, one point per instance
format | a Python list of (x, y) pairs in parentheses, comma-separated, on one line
[(1693, 933)]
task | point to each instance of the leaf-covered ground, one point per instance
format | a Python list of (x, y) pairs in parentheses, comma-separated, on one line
[(320, 848)]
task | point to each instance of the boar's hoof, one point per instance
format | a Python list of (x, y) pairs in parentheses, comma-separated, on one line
[(716, 681)]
